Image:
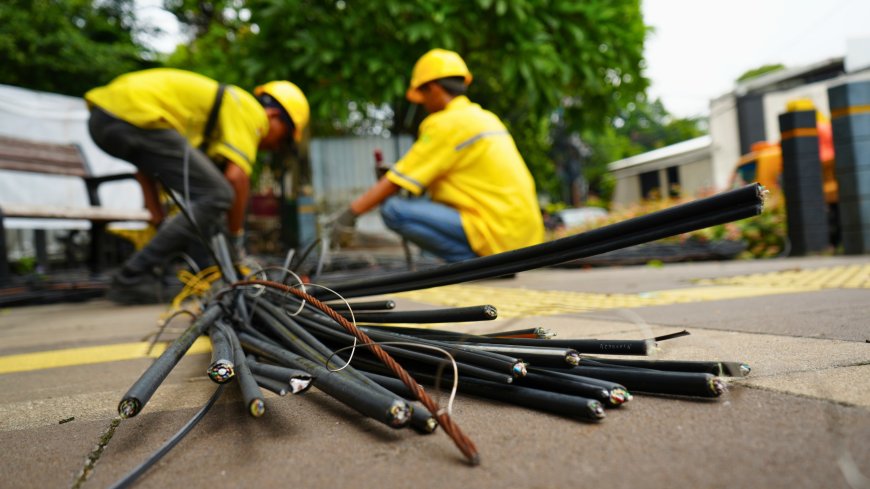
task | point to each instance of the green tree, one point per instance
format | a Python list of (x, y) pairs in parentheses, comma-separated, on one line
[(528, 57), (67, 46), (761, 70), (640, 127)]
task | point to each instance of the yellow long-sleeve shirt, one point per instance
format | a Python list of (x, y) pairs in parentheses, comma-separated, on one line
[(465, 158), (166, 98)]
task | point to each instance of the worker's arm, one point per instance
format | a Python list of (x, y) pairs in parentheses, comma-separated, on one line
[(152, 198), (376, 194), (241, 183)]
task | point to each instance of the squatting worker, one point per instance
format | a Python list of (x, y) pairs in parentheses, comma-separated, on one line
[(201, 139), (480, 195)]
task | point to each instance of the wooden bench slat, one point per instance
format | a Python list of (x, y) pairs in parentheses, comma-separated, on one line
[(66, 160), (40, 167), (61, 212)]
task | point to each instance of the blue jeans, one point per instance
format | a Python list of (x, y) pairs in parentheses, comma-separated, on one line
[(433, 227)]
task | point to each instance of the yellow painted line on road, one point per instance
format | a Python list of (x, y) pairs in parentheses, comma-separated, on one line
[(69, 357)]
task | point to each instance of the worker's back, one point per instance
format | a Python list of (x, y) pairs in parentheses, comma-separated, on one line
[(466, 158)]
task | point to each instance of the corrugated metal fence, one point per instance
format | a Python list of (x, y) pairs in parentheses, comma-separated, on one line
[(343, 168)]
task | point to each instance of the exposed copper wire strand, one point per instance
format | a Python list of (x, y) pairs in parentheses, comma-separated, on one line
[(465, 445)]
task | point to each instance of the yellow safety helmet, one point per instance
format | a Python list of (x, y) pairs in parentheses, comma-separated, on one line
[(436, 64), (292, 100)]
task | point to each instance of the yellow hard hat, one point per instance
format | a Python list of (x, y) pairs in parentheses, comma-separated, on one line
[(436, 64), (292, 100)]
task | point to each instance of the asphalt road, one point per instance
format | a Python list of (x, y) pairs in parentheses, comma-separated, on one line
[(800, 420)]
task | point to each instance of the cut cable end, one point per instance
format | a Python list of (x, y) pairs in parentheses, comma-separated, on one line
[(221, 371), (129, 408), (620, 396), (399, 414), (718, 386), (257, 408), (300, 384), (596, 410)]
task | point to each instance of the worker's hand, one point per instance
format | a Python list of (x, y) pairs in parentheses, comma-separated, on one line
[(343, 227)]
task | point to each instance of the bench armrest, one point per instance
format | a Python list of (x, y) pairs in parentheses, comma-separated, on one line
[(93, 182)]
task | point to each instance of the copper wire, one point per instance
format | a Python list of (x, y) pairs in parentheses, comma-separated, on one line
[(465, 445)]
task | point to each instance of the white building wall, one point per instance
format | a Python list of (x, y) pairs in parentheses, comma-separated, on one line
[(725, 134), (697, 177), (627, 189)]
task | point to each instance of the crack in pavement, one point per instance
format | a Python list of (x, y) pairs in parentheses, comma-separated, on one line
[(92, 458)]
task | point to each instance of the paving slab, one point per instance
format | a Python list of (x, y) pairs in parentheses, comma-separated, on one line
[(832, 313), (312, 442), (801, 419)]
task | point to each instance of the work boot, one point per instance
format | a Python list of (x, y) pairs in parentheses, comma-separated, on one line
[(145, 287)]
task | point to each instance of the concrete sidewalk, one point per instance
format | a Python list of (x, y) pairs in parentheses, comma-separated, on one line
[(801, 419)]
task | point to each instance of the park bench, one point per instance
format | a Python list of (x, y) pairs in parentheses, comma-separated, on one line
[(22, 155)]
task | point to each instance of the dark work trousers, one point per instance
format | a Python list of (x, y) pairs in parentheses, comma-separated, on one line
[(161, 153)]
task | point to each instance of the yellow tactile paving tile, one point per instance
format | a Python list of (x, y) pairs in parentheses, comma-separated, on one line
[(517, 302), (513, 302), (842, 277)]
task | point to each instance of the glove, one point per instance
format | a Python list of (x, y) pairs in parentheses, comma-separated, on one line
[(343, 227)]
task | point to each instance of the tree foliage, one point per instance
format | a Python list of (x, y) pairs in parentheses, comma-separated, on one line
[(761, 70), (639, 127), (528, 57), (67, 46)]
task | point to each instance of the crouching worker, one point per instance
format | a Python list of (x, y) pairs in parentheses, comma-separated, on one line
[(199, 138), (480, 197)]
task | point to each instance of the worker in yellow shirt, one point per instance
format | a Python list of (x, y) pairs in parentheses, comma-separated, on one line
[(480, 197), (200, 138)]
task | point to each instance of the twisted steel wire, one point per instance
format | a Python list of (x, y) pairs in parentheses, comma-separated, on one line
[(465, 445)]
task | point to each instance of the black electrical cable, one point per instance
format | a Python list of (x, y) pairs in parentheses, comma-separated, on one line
[(449, 315), (543, 259), (658, 381), (134, 474), (554, 402), (277, 372), (363, 305), (252, 395), (492, 366), (141, 391), (717, 209), (270, 384), (568, 375), (601, 347), (533, 355), (314, 350), (221, 369), (409, 353), (729, 369), (393, 412), (612, 395), (522, 333), (295, 264), (186, 213), (494, 361)]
